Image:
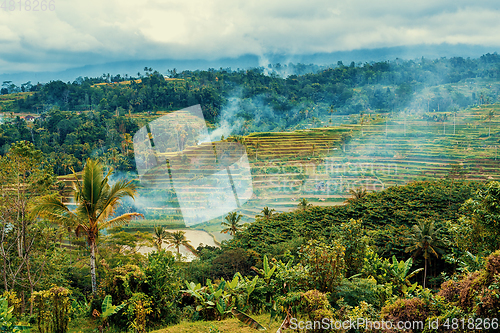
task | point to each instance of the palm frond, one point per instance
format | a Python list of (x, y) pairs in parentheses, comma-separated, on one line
[(93, 182), (52, 208), (80, 228), (247, 320), (118, 220), (190, 248), (111, 198)]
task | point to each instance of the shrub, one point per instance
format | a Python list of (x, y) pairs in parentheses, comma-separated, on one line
[(124, 281), (315, 304), (358, 290), (138, 309), (406, 310), (163, 285), (325, 264), (476, 293), (52, 309)]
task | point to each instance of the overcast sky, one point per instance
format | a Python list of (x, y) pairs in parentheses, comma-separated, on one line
[(80, 32)]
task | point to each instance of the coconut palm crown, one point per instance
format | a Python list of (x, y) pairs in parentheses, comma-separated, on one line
[(232, 224), (178, 238)]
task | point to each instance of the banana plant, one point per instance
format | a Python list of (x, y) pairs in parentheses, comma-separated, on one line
[(6, 317), (210, 298), (193, 289), (240, 282), (234, 283), (401, 273), (266, 271), (220, 297), (108, 309), (7, 320), (240, 289), (250, 286), (196, 290), (81, 308), (224, 306), (470, 262)]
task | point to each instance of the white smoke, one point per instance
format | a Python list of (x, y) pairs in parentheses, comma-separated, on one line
[(230, 122)]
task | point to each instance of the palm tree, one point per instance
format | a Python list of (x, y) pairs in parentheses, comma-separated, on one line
[(267, 213), (304, 204), (160, 235), (331, 114), (425, 239), (178, 238), (490, 116), (357, 194), (361, 121), (96, 202), (232, 224)]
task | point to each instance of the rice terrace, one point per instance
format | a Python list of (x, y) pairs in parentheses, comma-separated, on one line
[(322, 164), (225, 200)]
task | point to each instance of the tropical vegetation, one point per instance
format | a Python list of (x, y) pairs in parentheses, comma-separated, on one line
[(425, 246)]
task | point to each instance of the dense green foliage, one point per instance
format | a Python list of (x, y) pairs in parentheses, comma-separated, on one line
[(69, 138), (328, 84), (313, 263), (423, 251), (387, 216)]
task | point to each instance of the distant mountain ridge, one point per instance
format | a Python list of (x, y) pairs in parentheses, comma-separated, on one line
[(132, 67)]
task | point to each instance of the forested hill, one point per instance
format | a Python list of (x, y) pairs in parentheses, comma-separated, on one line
[(385, 217), (388, 215), (350, 89)]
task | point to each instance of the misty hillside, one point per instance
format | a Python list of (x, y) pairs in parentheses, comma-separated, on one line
[(278, 97)]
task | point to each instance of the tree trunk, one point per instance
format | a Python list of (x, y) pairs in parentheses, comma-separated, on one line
[(92, 266), (425, 272), (4, 274)]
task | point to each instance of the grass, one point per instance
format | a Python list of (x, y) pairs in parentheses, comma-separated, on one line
[(231, 325), (82, 325)]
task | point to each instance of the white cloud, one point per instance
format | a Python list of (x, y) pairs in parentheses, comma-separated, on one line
[(119, 30)]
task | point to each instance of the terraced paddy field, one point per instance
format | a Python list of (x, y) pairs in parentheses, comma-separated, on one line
[(319, 164), (7, 102)]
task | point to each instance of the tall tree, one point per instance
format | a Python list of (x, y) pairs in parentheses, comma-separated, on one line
[(331, 111), (178, 238), (24, 241), (160, 235), (345, 138), (489, 117), (232, 224), (95, 202), (304, 204), (425, 239), (481, 219), (257, 146), (267, 213)]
